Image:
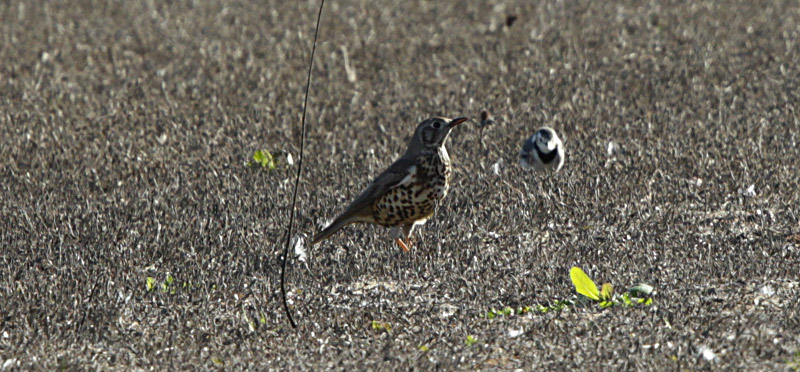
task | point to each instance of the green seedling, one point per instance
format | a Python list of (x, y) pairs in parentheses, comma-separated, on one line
[(605, 297), (169, 285), (166, 286), (606, 291), (470, 340), (584, 285), (423, 348), (557, 305), (271, 161), (493, 313), (381, 326), (264, 159)]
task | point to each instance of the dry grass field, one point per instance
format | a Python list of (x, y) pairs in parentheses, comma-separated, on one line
[(134, 235)]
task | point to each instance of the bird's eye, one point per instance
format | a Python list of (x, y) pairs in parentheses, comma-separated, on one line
[(437, 125)]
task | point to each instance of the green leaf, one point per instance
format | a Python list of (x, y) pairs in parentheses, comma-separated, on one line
[(380, 326), (423, 348), (259, 157), (263, 319), (641, 290), (583, 284), (265, 159), (470, 340), (170, 279), (627, 299), (217, 361), (605, 304), (151, 283), (606, 291)]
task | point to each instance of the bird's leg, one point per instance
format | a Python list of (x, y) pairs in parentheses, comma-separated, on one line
[(402, 245), (398, 234), (407, 233)]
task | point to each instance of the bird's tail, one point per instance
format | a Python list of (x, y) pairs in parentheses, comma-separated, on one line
[(335, 226)]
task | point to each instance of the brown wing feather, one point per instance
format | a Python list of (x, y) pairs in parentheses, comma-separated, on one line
[(362, 205)]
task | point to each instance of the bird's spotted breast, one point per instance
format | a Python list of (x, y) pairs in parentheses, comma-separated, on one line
[(416, 200)]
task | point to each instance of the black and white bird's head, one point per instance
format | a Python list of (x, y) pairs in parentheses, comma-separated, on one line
[(433, 132), (542, 151)]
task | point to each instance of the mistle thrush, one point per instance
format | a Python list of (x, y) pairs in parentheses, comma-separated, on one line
[(409, 191)]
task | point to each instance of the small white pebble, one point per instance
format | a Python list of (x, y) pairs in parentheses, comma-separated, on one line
[(496, 168), (9, 363), (299, 248), (707, 353), (750, 191)]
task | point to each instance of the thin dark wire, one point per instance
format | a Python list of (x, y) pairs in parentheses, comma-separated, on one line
[(299, 171)]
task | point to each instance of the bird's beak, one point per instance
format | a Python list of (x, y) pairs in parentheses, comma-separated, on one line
[(457, 121)]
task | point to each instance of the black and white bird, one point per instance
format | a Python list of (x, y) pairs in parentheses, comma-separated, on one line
[(542, 151)]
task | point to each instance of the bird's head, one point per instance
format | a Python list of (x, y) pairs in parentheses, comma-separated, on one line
[(546, 140), (432, 133)]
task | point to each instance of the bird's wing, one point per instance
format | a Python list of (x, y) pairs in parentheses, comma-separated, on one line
[(529, 144), (399, 173)]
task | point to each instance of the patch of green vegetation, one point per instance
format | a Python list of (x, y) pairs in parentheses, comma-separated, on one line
[(270, 161), (470, 340), (423, 348), (557, 305), (217, 362), (166, 286), (584, 285), (264, 159), (493, 313), (794, 362), (381, 326), (169, 285)]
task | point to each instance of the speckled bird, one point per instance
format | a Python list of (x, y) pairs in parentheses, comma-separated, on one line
[(409, 191), (542, 151)]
